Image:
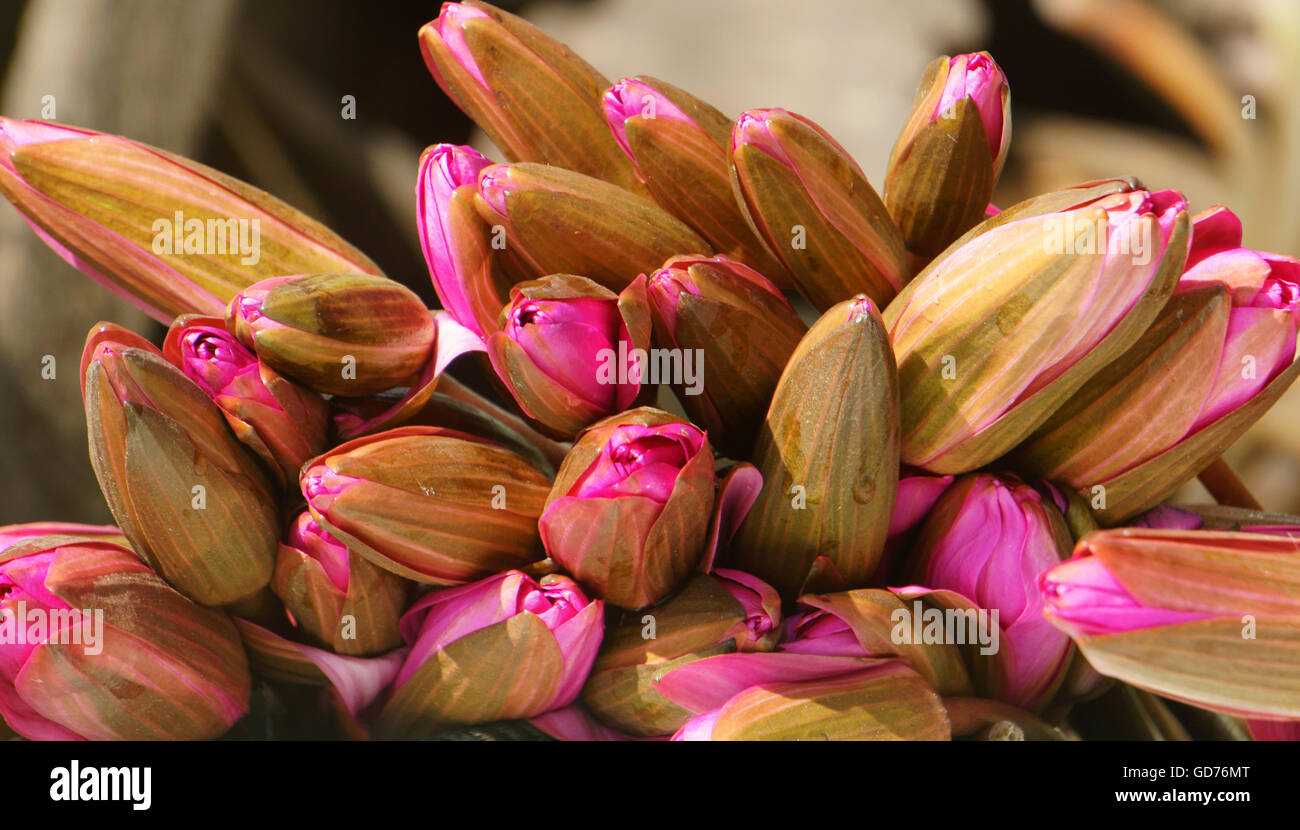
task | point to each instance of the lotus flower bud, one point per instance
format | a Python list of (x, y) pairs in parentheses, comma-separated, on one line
[(532, 95), (885, 702), (194, 502), (276, 418), (837, 399), (11, 535), (717, 613), (567, 350), (628, 515), (1207, 617), (168, 234), (948, 156), (470, 275), (560, 222), (79, 661), (504, 647), (916, 495), (343, 334), (1218, 356), (679, 144), (1001, 330), (736, 323), (982, 547), (342, 601), (813, 207), (429, 504), (865, 623)]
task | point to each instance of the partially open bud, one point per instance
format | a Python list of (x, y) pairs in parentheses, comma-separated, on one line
[(470, 268), (504, 647), (737, 331), (567, 348), (557, 221), (629, 513), (717, 613), (888, 702), (1208, 617), (342, 601), (982, 548), (344, 334), (429, 504), (947, 159), (94, 646), (679, 145), (870, 622), (532, 95), (812, 205), (194, 502), (168, 234), (1218, 356), (276, 418), (828, 453), (1001, 330)]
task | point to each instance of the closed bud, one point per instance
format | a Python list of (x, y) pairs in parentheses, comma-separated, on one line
[(828, 454), (738, 332), (981, 550), (429, 504), (276, 418), (812, 205), (1208, 617), (679, 144), (1000, 331), (341, 601), (567, 349), (717, 613), (471, 270), (194, 502), (629, 513), (94, 646), (1219, 355), (168, 234), (947, 159), (557, 221), (343, 334), (504, 647), (532, 95)]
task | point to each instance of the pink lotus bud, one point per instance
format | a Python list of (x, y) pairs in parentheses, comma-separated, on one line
[(1223, 349), (468, 273), (977, 77), (1260, 341), (629, 511), (79, 661), (504, 647), (916, 495), (986, 541), (1207, 617), (343, 601), (165, 233), (635, 98), (284, 423), (567, 350)]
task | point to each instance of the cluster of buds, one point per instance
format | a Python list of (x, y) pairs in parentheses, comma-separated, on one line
[(882, 520)]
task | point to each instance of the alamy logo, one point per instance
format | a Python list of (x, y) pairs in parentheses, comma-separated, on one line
[(179, 235), (947, 626), (681, 367), (1068, 234), (56, 626), (77, 783)]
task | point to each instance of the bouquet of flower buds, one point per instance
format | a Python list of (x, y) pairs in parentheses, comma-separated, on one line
[(908, 483)]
